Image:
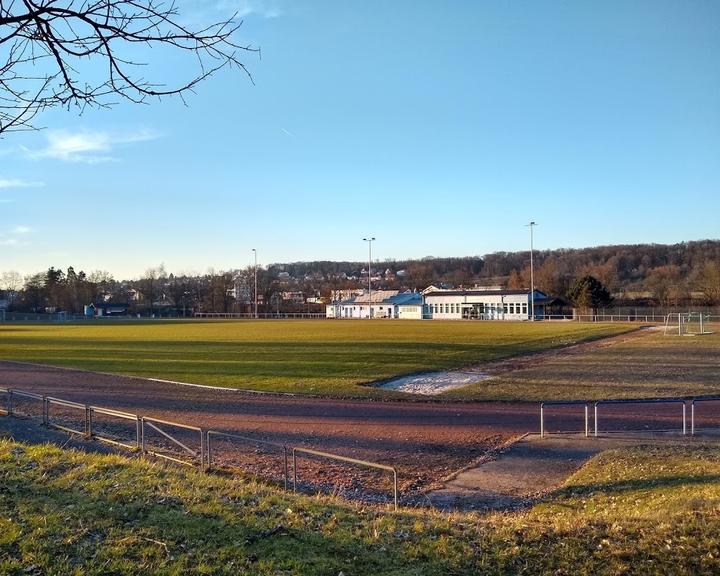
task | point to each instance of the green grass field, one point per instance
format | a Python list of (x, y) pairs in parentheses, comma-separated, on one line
[(653, 365), (323, 357), (644, 510)]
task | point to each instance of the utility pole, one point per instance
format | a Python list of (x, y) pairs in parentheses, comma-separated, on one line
[(532, 274), (369, 241), (255, 292)]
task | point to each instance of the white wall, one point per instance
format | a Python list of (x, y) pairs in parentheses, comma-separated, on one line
[(495, 307)]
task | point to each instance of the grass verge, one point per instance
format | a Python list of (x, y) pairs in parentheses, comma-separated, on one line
[(648, 367), (643, 510)]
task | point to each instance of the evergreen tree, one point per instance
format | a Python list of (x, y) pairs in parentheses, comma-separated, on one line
[(589, 293)]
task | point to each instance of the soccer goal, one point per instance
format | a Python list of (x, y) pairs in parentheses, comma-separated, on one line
[(687, 323)]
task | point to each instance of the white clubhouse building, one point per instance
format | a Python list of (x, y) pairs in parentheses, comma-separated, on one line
[(476, 303), (482, 304)]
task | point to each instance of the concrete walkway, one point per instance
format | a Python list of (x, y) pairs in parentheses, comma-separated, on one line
[(529, 468)]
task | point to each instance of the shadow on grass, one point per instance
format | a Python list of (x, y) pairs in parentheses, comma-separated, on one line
[(621, 486)]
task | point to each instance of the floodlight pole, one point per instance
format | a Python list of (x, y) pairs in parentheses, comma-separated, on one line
[(255, 292), (369, 241), (532, 274)]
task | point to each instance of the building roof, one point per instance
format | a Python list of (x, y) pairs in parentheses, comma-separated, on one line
[(407, 299), (385, 297), (375, 297), (482, 293)]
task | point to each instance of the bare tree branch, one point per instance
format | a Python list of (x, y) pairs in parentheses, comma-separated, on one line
[(61, 37)]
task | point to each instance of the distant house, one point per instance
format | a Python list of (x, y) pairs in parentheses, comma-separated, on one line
[(482, 304), (378, 304), (110, 308), (295, 296)]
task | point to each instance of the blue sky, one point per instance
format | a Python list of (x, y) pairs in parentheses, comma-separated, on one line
[(439, 128)]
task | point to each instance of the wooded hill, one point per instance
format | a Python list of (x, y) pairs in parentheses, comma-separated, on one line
[(667, 274)]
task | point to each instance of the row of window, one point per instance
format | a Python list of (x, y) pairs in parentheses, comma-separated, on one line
[(490, 309)]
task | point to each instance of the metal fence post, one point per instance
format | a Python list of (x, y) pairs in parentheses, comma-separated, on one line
[(684, 419), (208, 450), (202, 450), (46, 411), (587, 421), (542, 423), (88, 422), (596, 419), (395, 489), (138, 432), (285, 459), (143, 448), (692, 418), (294, 456)]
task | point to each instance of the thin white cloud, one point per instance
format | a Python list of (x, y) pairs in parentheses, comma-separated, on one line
[(18, 183), (244, 8), (16, 236), (89, 147)]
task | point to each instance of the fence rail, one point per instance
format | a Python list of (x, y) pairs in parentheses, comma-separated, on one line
[(154, 424), (645, 401), (6, 410), (51, 401), (564, 403), (249, 440), (692, 409), (116, 414), (329, 456)]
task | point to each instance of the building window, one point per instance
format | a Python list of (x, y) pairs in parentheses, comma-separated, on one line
[(505, 308), (524, 309)]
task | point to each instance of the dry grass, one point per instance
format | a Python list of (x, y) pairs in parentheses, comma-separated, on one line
[(639, 367), (643, 510)]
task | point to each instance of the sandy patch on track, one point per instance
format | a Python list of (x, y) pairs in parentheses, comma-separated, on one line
[(432, 383)]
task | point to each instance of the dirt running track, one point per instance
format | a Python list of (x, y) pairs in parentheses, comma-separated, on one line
[(424, 441)]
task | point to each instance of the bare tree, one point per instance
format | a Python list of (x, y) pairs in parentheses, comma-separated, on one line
[(47, 45)]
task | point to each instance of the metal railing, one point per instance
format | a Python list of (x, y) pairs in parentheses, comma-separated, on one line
[(12, 393), (645, 401), (565, 403), (152, 423), (115, 414), (692, 409), (247, 439), (6, 408), (49, 401), (145, 424), (326, 455)]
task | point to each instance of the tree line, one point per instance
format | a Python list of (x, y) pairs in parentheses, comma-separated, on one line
[(654, 274)]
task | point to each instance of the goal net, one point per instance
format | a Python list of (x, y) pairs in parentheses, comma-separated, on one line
[(687, 323)]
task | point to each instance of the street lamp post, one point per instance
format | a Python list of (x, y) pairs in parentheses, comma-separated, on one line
[(532, 274), (255, 291), (369, 241)]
